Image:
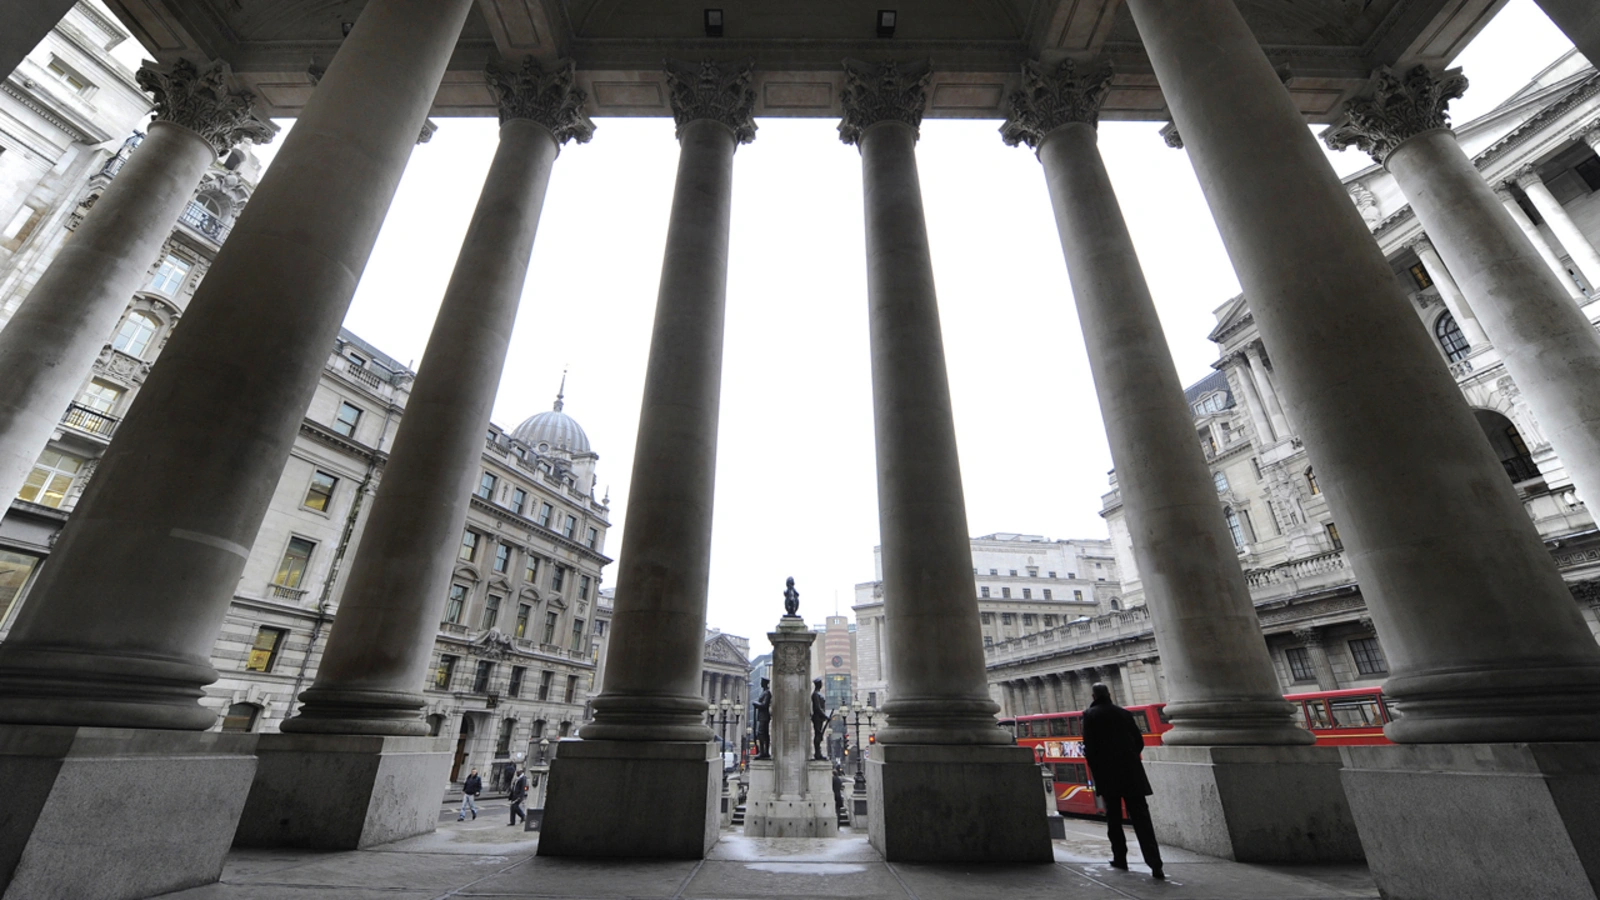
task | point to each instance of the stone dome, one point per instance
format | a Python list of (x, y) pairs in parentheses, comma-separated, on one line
[(555, 428)]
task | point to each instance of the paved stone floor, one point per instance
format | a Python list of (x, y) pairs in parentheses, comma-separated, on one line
[(484, 858)]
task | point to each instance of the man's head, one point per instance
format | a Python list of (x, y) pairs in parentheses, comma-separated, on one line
[(766, 682), (1100, 692), (473, 772), (816, 683)]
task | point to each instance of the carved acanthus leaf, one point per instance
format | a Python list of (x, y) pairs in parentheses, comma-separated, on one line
[(202, 103), (882, 92), (552, 99), (711, 90), (1049, 100), (1396, 109)]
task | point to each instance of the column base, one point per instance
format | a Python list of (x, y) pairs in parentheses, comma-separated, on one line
[(1252, 804), (769, 814), (343, 792), (1478, 820), (117, 813), (956, 803), (632, 799)]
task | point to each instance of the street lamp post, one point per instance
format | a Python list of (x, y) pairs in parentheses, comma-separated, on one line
[(857, 711)]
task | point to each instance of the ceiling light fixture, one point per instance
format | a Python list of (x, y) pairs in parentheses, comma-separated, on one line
[(886, 19), (713, 23)]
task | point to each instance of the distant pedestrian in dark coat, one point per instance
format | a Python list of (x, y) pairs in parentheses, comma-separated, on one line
[(517, 794), (470, 790), (1112, 743)]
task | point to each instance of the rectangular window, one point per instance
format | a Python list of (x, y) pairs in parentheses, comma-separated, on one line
[(67, 76), (577, 634), (514, 689), (508, 730), (456, 603), (550, 620), (15, 570), (1027, 593), (1333, 535), (491, 611), (544, 684), (296, 557), (480, 678), (545, 510), (1047, 594), (345, 421), (502, 558), (1007, 619), (100, 397), (319, 494), (469, 546), (583, 587), (572, 689), (571, 525), (983, 591), (519, 500), (169, 276), (530, 572), (446, 671), (1013, 573), (51, 478), (1419, 276), (1027, 618), (1369, 657), (591, 537), (1005, 592), (1078, 596), (558, 577), (1052, 574), (986, 618), (1049, 621), (988, 641), (486, 485), (1300, 664), (524, 611), (264, 652)]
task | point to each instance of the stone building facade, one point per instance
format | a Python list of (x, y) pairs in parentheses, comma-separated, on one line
[(1538, 149)]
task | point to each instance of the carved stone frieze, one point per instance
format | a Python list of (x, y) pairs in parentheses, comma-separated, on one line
[(1049, 100), (721, 92), (1396, 109), (1170, 136), (202, 103), (882, 92), (552, 99), (492, 645)]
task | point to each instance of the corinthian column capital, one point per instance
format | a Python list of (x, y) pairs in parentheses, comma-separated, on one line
[(882, 92), (713, 90), (1396, 109), (551, 99), (201, 102), (1526, 177), (1049, 100)]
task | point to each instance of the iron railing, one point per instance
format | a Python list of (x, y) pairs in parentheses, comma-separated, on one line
[(205, 221), (90, 420), (1520, 468)]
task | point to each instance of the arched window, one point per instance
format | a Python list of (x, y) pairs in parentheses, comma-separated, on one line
[(211, 205), (241, 717), (1311, 482), (1116, 604), (135, 334), (1220, 480), (1234, 531), (1449, 335)]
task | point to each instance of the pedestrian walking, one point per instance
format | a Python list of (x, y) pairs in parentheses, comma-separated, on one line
[(838, 789), (517, 794), (469, 796), (1112, 744)]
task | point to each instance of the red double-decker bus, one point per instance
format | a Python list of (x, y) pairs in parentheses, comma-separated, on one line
[(1353, 716)]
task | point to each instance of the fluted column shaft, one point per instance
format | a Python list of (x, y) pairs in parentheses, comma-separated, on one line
[(121, 623), (940, 694), (1537, 239), (371, 676), (49, 345), (1222, 686), (1444, 552), (658, 625), (1449, 292), (1566, 231)]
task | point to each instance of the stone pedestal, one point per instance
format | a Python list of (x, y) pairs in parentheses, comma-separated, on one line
[(791, 794), (117, 813), (638, 799), (768, 813), (343, 792), (956, 803), (1252, 804), (1478, 820)]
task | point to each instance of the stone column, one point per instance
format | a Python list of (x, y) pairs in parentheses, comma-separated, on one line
[(23, 26), (1432, 527), (1449, 292), (1258, 371), (1224, 691), (1546, 342), (1536, 238), (1253, 402), (940, 722), (48, 347), (1577, 21), (1326, 679), (121, 624), (371, 676), (1058, 700), (1566, 231), (658, 626)]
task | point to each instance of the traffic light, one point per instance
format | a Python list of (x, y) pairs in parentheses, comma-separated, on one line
[(872, 739)]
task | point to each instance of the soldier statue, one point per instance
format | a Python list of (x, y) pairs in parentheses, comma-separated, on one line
[(791, 599), (819, 718), (763, 707)]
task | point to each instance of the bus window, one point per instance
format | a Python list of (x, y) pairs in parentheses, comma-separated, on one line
[(1072, 773), (1317, 714), (1075, 726), (1161, 713), (1059, 728), (1356, 712), (1142, 721)]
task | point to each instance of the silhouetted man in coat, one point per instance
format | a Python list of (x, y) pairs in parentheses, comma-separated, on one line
[(1112, 743)]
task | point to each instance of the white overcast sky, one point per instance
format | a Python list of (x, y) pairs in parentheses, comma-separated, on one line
[(795, 473)]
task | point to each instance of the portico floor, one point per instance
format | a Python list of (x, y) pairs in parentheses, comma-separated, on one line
[(486, 858)]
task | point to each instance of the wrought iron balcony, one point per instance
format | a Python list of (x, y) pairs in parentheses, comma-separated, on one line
[(90, 420), (284, 592), (1520, 468), (205, 221)]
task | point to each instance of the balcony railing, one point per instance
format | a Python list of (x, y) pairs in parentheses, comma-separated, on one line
[(284, 592), (364, 375), (1520, 468), (90, 420), (204, 221)]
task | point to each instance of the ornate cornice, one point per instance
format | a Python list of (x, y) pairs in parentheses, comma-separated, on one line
[(1049, 100), (551, 99), (1396, 110), (201, 102), (882, 92), (712, 90)]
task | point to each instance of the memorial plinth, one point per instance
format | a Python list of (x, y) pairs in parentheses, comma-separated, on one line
[(791, 794)]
